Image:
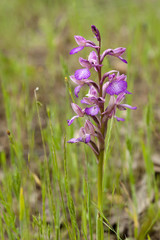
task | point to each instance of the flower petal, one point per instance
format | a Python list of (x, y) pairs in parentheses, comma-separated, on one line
[(82, 132), (82, 74), (109, 75), (93, 58), (77, 90), (77, 110), (75, 140), (91, 44), (92, 110), (127, 92), (121, 77), (116, 87), (73, 79), (81, 41), (87, 138), (128, 106), (88, 100), (91, 83), (111, 105), (71, 120), (120, 97), (121, 108), (89, 127), (106, 52), (75, 50), (85, 63), (92, 92), (123, 60), (119, 119), (104, 89), (118, 51)]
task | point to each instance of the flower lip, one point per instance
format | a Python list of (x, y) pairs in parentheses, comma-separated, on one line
[(92, 111), (82, 74), (116, 87)]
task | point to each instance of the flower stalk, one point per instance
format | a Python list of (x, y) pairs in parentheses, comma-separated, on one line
[(103, 100), (100, 161), (100, 197)]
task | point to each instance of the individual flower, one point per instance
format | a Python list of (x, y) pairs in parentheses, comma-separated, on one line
[(116, 87), (82, 42), (93, 99), (78, 111), (117, 52), (115, 103), (85, 135), (116, 84), (81, 83), (91, 62)]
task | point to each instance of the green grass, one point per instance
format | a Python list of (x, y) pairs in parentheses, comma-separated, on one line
[(47, 187)]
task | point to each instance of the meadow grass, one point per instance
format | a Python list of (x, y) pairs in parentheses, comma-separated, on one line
[(48, 188)]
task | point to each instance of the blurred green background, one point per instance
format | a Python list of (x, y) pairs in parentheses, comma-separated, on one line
[(35, 40)]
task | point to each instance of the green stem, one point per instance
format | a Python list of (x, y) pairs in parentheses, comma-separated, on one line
[(100, 177), (100, 230)]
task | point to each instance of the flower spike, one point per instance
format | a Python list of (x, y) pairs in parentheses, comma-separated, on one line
[(116, 85)]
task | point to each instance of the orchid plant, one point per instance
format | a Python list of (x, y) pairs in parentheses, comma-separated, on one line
[(104, 98)]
